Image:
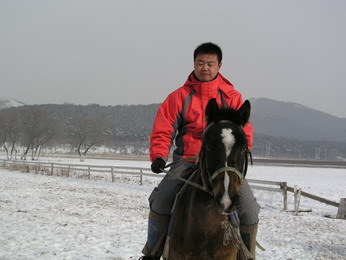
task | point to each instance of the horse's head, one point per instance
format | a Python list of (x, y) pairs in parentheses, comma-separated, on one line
[(224, 153)]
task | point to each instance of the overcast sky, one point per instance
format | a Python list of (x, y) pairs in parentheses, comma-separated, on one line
[(138, 51)]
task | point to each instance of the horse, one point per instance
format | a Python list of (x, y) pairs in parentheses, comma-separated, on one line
[(197, 229)]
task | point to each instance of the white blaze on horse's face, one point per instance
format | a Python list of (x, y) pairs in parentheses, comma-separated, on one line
[(226, 201), (228, 140)]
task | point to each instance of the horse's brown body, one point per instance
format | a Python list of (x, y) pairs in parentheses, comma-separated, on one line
[(196, 229)]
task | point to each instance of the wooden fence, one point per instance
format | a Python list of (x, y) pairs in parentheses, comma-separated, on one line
[(101, 172), (273, 186), (78, 170)]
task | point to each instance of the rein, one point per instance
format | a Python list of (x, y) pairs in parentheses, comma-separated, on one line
[(203, 187), (213, 176), (194, 184)]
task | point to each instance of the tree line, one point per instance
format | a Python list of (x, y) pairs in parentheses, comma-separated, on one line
[(33, 128), (25, 131)]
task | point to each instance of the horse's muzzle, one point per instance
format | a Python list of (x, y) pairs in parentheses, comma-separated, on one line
[(226, 206)]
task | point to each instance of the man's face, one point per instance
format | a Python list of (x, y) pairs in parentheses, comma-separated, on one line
[(206, 67)]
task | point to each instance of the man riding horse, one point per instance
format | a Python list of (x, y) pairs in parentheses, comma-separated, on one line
[(182, 117)]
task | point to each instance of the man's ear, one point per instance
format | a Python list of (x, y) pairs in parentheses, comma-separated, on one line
[(220, 65)]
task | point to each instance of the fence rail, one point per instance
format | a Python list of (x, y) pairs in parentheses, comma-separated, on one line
[(88, 170)]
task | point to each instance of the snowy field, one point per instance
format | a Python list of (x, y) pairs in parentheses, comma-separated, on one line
[(49, 217)]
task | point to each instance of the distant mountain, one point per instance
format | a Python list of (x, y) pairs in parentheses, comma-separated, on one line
[(269, 117), (281, 129), (10, 102), (295, 121)]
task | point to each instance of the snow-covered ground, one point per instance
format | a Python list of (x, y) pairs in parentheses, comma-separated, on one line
[(49, 217)]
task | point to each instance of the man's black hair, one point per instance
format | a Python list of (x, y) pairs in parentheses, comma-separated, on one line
[(208, 48)]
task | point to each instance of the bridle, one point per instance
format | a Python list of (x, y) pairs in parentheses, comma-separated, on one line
[(226, 169), (240, 174)]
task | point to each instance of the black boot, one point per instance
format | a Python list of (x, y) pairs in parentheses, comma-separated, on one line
[(157, 231), (248, 234)]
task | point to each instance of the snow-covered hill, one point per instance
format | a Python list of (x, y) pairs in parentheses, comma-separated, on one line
[(10, 102)]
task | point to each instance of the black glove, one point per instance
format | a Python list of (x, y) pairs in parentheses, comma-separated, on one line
[(157, 165)]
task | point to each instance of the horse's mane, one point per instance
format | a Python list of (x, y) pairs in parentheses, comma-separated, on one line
[(225, 114)]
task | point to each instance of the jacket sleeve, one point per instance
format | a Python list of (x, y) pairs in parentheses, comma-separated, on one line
[(165, 127), (249, 134)]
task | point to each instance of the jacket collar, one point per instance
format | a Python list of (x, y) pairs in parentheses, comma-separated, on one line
[(219, 83)]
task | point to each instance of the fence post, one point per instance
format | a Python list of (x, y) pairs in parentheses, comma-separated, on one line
[(89, 172), (283, 186), (297, 194), (295, 199), (4, 164), (141, 177), (342, 209), (68, 171), (51, 169)]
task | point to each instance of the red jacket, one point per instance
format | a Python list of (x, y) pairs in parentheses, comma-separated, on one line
[(182, 116)]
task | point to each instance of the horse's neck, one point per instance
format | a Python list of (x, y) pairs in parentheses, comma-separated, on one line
[(196, 204)]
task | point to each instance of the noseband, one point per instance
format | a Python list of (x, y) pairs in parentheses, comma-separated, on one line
[(230, 169), (226, 169)]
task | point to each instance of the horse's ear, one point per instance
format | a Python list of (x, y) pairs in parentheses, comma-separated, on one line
[(212, 108), (244, 112)]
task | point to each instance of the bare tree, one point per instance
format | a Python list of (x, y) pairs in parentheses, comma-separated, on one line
[(9, 132), (87, 132), (38, 128)]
